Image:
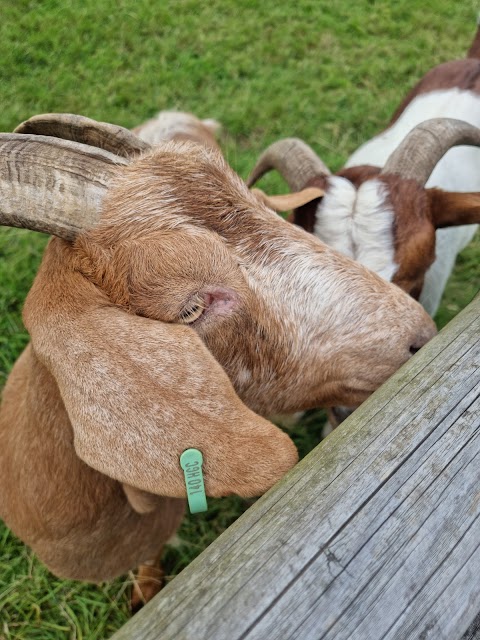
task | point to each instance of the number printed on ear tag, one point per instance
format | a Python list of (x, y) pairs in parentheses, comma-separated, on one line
[(191, 462)]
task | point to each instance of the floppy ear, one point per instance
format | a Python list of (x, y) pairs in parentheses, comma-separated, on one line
[(139, 392), (451, 208), (289, 201)]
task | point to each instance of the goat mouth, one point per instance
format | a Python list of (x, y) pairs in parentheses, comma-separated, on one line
[(341, 395), (341, 413), (353, 396)]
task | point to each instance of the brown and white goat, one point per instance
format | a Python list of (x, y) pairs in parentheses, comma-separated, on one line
[(400, 204), (175, 319), (179, 126), (406, 202)]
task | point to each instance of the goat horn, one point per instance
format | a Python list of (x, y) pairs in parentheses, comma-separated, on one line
[(102, 135), (419, 152), (52, 185), (294, 160)]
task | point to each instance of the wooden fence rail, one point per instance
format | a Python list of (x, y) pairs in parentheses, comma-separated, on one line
[(375, 534)]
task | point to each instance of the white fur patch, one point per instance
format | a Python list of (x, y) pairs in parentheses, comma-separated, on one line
[(333, 219), (358, 223), (244, 377)]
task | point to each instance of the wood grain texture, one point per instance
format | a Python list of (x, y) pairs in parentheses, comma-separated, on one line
[(473, 631), (375, 534)]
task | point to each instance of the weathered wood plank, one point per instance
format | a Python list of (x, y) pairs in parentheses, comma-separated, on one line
[(473, 631), (375, 534)]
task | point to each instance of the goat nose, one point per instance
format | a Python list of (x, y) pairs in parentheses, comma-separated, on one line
[(422, 337)]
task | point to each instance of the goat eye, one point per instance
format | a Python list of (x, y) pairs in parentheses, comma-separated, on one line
[(192, 311)]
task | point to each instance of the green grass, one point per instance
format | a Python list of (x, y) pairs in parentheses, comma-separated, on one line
[(329, 72)]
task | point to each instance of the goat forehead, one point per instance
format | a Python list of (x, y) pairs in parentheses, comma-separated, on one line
[(180, 182), (359, 223)]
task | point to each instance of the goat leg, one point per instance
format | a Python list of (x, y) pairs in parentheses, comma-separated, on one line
[(148, 581)]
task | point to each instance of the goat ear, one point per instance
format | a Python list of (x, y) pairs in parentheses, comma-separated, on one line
[(289, 201), (450, 208), (138, 392)]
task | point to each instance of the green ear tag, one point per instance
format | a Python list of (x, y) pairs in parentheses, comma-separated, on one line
[(191, 463)]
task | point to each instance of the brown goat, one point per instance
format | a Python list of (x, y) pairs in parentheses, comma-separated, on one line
[(172, 321), (181, 127)]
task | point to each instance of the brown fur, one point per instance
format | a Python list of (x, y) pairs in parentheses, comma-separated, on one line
[(420, 211), (304, 216), (112, 389), (77, 520), (474, 51), (450, 208), (414, 233), (358, 175), (463, 74), (148, 581)]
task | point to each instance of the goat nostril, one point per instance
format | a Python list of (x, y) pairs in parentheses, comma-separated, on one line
[(420, 339)]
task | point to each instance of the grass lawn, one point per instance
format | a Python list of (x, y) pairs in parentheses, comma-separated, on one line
[(328, 72)]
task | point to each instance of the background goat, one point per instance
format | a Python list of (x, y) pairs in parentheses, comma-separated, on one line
[(386, 217), (400, 204), (114, 386), (179, 126)]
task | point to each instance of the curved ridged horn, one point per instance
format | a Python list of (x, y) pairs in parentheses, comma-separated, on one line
[(294, 160), (102, 135), (52, 185), (417, 155)]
